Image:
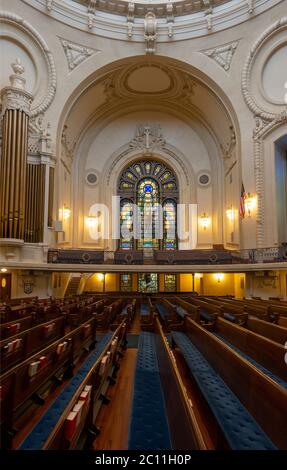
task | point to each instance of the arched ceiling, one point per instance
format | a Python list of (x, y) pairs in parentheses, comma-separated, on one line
[(148, 84)]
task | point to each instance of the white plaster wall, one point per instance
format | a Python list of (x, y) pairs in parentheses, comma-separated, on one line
[(226, 83)]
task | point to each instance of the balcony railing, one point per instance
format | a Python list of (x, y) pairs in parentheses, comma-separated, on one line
[(178, 257)]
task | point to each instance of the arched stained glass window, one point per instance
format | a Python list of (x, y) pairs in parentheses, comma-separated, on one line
[(126, 242), (148, 207), (153, 187), (169, 225)]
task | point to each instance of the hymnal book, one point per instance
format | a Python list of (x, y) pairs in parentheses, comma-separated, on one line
[(43, 361), (33, 368), (103, 364), (70, 425), (78, 408)]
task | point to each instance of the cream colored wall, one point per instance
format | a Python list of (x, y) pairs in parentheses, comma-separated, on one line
[(95, 284), (212, 287), (41, 284), (239, 285), (60, 282), (253, 156), (185, 282), (267, 286)]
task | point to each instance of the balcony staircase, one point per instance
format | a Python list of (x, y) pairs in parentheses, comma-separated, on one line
[(73, 285)]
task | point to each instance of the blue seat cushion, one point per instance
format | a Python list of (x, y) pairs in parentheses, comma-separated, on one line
[(239, 427), (144, 309), (229, 317), (205, 315), (162, 310), (149, 428), (180, 311), (40, 433)]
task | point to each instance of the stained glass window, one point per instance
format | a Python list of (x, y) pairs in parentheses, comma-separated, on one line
[(169, 225), (170, 282), (148, 282), (148, 183), (147, 202), (126, 282), (126, 224)]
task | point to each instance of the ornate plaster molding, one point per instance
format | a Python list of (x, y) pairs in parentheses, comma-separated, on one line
[(117, 19), (148, 139), (14, 98), (223, 55), (16, 20), (76, 53), (265, 122), (246, 73)]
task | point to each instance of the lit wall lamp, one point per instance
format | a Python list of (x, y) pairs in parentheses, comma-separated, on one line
[(3, 270), (65, 213), (102, 278), (230, 214), (250, 202), (219, 277), (198, 275), (205, 221)]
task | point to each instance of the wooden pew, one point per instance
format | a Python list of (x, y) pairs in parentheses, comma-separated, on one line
[(282, 321), (263, 350), (62, 436), (17, 348), (18, 385), (269, 330), (184, 427), (265, 399), (15, 327)]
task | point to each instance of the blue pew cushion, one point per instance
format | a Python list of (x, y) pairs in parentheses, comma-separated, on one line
[(148, 426), (40, 433), (238, 425)]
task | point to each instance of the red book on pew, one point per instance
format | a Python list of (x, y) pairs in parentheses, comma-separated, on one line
[(70, 425), (86, 394), (13, 329), (43, 361)]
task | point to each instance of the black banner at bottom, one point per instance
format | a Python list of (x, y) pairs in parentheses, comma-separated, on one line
[(131, 459)]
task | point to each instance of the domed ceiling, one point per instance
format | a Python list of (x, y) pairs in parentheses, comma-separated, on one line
[(149, 85), (159, 7)]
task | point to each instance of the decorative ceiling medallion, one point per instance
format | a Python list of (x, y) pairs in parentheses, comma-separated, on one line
[(76, 53), (223, 55), (148, 79)]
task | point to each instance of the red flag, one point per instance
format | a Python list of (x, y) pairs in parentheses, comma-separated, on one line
[(242, 205)]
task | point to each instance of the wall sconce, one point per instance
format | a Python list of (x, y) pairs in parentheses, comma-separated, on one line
[(3, 270), (230, 214), (219, 277), (91, 221), (65, 213), (250, 201), (198, 275), (205, 221)]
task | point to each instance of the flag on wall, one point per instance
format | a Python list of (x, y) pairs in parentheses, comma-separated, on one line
[(242, 205)]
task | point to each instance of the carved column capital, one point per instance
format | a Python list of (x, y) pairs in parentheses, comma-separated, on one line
[(17, 99)]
